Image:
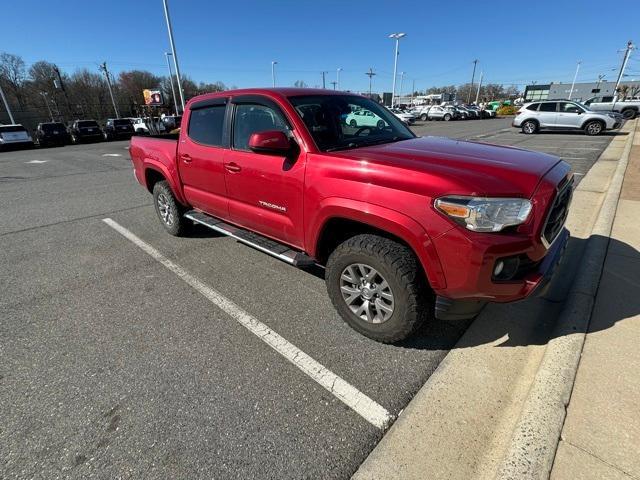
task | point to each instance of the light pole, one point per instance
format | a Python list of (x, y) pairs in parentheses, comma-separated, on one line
[(173, 92), (323, 79), (273, 73), (396, 37), (6, 105), (334, 83), (173, 52), (401, 84), (338, 78), (624, 65), (574, 80)]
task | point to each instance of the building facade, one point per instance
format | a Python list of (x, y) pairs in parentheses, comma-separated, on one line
[(581, 91)]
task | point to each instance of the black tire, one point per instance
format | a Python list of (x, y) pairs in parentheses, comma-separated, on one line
[(353, 123), (447, 117), (594, 128), (529, 127), (380, 124), (423, 117), (413, 299), (629, 113), (175, 223)]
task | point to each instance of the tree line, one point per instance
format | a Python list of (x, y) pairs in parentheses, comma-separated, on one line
[(43, 91)]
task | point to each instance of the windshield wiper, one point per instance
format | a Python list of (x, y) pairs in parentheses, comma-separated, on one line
[(342, 147)]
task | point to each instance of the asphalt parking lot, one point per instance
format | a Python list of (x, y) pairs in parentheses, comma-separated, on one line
[(112, 365)]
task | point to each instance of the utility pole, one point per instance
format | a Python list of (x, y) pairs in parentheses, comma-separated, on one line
[(624, 65), (6, 105), (370, 74), (338, 78), (46, 102), (473, 77), (334, 83), (574, 80), (173, 52), (273, 73), (173, 92), (323, 80), (600, 77), (64, 90), (396, 37), (479, 85), (103, 67)]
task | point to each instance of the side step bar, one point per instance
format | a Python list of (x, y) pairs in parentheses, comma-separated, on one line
[(255, 240)]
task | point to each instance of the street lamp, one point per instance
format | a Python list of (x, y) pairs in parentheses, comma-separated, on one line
[(173, 92), (173, 51), (338, 78), (574, 80), (396, 37), (600, 77), (401, 83), (273, 72)]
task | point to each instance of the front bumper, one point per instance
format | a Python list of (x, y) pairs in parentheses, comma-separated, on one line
[(535, 283)]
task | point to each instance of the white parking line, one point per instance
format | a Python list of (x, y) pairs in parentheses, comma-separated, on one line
[(111, 155), (37, 161), (368, 409)]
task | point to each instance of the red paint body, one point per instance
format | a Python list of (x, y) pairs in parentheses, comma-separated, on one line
[(391, 187)]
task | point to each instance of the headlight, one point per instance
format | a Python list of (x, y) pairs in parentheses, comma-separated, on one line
[(485, 214)]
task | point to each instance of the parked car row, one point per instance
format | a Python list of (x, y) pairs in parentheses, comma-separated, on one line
[(49, 134), (451, 112)]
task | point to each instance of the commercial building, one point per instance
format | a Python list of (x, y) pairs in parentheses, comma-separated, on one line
[(581, 91)]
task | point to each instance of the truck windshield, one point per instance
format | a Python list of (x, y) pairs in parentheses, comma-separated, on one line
[(340, 122)]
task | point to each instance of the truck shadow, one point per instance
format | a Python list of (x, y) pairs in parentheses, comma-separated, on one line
[(579, 133), (533, 321)]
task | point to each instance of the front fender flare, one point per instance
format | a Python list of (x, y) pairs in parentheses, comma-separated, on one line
[(386, 219)]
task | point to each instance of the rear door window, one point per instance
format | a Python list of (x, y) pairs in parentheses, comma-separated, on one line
[(206, 125), (548, 107)]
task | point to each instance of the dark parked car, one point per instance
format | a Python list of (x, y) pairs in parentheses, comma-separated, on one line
[(52, 133), (118, 128), (86, 131)]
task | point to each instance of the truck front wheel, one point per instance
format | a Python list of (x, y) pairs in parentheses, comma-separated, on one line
[(168, 209), (378, 288)]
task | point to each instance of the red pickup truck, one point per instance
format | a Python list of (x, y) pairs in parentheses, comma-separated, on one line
[(406, 228)]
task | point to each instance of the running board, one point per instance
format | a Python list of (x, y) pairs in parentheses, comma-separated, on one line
[(255, 240)]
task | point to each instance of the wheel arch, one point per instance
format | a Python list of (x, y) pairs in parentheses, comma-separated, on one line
[(156, 172), (340, 222)]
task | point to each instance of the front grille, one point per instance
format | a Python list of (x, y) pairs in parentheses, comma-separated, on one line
[(558, 212)]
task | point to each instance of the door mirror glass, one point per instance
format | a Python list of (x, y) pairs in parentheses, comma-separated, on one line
[(270, 141)]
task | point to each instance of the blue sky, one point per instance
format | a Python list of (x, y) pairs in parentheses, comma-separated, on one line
[(235, 41)]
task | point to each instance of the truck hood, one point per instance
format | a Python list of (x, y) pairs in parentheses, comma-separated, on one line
[(459, 167)]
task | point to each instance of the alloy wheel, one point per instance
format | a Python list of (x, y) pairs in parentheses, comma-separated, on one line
[(166, 213), (366, 292)]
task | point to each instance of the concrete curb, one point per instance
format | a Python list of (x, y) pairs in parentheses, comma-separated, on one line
[(537, 433)]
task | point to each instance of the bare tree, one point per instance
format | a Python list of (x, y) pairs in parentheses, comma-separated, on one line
[(13, 74)]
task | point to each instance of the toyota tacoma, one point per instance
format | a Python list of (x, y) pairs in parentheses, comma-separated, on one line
[(408, 229)]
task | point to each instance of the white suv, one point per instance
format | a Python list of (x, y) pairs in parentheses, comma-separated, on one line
[(564, 115)]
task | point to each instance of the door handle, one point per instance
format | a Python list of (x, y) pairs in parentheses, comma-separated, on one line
[(232, 167), (186, 158)]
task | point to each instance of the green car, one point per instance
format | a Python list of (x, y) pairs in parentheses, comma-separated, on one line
[(364, 118)]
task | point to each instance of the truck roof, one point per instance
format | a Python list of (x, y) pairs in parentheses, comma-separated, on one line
[(278, 91)]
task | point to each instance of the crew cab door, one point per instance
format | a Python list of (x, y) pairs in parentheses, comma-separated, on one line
[(599, 104), (570, 115), (200, 156), (265, 190)]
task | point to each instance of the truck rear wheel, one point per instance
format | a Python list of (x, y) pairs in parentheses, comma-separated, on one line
[(629, 113), (378, 288), (168, 209)]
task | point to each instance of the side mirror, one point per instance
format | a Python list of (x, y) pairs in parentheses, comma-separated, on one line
[(270, 141)]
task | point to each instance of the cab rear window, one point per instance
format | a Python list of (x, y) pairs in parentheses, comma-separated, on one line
[(12, 128)]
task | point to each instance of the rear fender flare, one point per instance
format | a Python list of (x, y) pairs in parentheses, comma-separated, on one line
[(382, 218), (169, 175)]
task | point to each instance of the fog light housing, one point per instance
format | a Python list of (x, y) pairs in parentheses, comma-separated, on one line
[(506, 268)]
